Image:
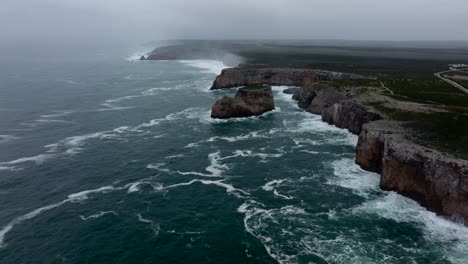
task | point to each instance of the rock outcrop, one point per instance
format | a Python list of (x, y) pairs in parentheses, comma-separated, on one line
[(336, 107), (349, 114), (291, 90), (249, 101), (236, 77), (437, 181)]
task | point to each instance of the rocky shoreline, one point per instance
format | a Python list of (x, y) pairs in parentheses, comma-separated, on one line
[(436, 180)]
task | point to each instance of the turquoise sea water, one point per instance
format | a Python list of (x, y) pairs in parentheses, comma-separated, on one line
[(116, 161)]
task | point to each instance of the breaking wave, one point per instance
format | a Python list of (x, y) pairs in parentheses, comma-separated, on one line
[(208, 66)]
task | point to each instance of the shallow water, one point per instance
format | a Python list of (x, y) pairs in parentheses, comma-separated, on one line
[(119, 162)]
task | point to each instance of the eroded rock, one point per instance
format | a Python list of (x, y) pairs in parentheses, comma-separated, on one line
[(249, 101)]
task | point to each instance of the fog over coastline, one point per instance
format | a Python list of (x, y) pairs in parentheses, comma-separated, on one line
[(100, 22)]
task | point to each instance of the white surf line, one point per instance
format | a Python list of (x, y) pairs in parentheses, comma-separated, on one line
[(232, 139), (98, 215), (215, 169), (7, 138), (272, 185), (208, 66), (73, 145), (155, 227), (84, 195), (72, 198), (251, 209)]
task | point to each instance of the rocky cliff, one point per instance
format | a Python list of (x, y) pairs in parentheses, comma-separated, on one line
[(236, 77), (437, 181), (249, 101)]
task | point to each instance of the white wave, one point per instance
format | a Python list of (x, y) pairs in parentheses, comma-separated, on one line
[(349, 175), (98, 215), (11, 168), (229, 188), (206, 118), (51, 121), (134, 187), (111, 107), (73, 145), (84, 195), (7, 138), (256, 221), (109, 103), (272, 185), (253, 134), (154, 226), (157, 166), (209, 66), (250, 135), (72, 198), (175, 156), (313, 124), (215, 169), (279, 95), (310, 152), (250, 153), (404, 210), (120, 99), (56, 114), (38, 159)]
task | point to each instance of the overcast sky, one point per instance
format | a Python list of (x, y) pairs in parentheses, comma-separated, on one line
[(104, 21)]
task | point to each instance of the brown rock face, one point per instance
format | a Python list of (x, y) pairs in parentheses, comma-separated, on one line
[(349, 114), (291, 77), (247, 102), (335, 107), (324, 99), (437, 181)]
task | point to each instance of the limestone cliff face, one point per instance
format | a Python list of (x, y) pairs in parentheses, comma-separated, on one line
[(336, 107), (291, 77), (349, 114), (437, 181), (247, 102)]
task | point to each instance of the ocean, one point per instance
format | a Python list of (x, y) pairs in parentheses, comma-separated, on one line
[(112, 160)]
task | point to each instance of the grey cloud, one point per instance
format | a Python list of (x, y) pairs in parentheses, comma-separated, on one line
[(144, 20)]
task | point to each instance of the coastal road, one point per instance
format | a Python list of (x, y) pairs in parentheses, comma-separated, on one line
[(453, 83)]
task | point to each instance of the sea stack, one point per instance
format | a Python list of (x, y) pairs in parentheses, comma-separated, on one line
[(142, 58), (248, 101)]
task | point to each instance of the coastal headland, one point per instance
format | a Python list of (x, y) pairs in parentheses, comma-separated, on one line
[(412, 127)]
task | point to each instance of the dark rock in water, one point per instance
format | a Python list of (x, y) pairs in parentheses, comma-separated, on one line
[(291, 90), (142, 58), (249, 101), (304, 97)]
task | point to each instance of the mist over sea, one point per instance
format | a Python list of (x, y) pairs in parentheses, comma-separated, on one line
[(105, 159)]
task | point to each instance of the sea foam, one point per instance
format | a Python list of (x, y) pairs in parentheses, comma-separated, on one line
[(208, 66)]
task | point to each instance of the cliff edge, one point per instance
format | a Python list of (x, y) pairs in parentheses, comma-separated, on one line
[(236, 77)]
